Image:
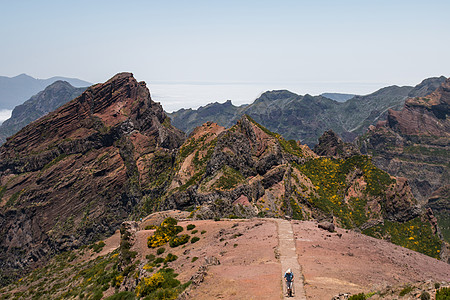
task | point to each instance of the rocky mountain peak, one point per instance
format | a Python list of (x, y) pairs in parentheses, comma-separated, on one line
[(424, 115), (75, 174), (330, 144), (414, 143), (118, 106), (427, 86)]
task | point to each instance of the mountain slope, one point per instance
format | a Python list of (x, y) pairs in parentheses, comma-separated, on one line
[(15, 90), (55, 95), (74, 175), (248, 171), (305, 118), (111, 154), (414, 143), (232, 259)]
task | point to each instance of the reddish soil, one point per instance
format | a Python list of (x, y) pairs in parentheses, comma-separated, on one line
[(248, 268), (357, 263), (331, 264)]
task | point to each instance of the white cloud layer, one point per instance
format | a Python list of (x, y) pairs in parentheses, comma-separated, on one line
[(5, 114)]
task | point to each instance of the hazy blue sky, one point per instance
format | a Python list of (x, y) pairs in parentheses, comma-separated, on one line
[(360, 43)]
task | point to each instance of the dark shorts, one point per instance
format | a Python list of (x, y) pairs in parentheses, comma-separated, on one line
[(289, 284)]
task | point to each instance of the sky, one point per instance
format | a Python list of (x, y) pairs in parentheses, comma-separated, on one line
[(194, 52)]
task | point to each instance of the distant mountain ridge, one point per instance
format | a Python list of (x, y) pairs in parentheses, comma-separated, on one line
[(55, 95), (306, 117), (15, 90)]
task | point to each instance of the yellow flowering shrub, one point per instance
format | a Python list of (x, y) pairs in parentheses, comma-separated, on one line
[(414, 234), (149, 284), (164, 232)]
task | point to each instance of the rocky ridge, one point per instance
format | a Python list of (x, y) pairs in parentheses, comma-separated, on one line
[(305, 118), (74, 175), (414, 143), (111, 154), (248, 171)]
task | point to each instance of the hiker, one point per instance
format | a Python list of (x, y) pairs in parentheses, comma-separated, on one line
[(289, 278)]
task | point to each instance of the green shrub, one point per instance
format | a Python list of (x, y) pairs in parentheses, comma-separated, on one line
[(425, 296), (190, 227), (437, 285), (203, 232), (406, 290), (170, 257), (167, 230), (359, 296), (122, 296), (443, 294), (98, 247), (194, 259), (413, 234), (150, 257), (195, 239), (161, 285), (160, 251), (230, 179), (158, 260), (194, 231), (179, 240), (97, 295)]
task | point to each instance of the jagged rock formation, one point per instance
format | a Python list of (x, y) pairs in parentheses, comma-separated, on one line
[(77, 173), (112, 154), (414, 143), (305, 118), (55, 95), (248, 171), (330, 144)]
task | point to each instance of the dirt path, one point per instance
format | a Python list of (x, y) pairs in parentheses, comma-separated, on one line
[(289, 258)]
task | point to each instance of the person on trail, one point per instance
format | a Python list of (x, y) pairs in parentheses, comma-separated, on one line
[(289, 278)]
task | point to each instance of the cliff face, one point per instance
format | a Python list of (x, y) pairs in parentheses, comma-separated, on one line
[(74, 175), (414, 143), (55, 95)]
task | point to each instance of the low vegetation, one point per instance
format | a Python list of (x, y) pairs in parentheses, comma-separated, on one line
[(329, 177), (230, 179), (164, 233), (414, 234)]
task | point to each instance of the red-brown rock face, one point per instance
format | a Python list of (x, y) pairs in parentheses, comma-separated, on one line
[(424, 115), (415, 143), (75, 174)]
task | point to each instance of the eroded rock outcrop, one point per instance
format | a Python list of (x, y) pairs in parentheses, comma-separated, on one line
[(330, 144), (414, 143), (74, 175)]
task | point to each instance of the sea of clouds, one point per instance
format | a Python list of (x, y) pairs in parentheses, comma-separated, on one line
[(174, 96), (5, 114)]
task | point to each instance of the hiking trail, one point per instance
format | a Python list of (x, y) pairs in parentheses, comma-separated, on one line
[(289, 259)]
